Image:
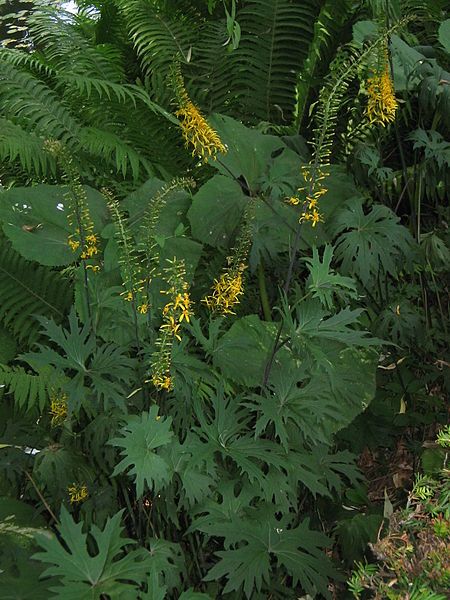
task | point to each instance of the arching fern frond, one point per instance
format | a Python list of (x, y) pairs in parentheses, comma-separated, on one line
[(275, 39), (327, 35), (28, 389), (24, 147), (66, 47), (34, 62), (114, 149), (29, 289), (38, 107), (159, 37)]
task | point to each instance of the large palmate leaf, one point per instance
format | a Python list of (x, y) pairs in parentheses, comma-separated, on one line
[(368, 242), (86, 576), (141, 436), (323, 283), (249, 152), (226, 432), (254, 546), (104, 368), (35, 220)]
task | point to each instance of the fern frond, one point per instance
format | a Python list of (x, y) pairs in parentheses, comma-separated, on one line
[(25, 97), (28, 389), (115, 150), (17, 144), (159, 37), (33, 62), (327, 34), (67, 48), (275, 39), (29, 289)]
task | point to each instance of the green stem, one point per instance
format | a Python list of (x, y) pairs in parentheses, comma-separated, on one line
[(263, 292)]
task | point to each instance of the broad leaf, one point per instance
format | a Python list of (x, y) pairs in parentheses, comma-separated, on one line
[(254, 546), (35, 220), (216, 211), (141, 436), (368, 242), (85, 576)]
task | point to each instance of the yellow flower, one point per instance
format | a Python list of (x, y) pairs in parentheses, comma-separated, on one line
[(74, 244), (382, 104), (172, 327), (293, 200), (89, 252), (77, 493), (226, 292), (128, 296), (91, 239), (198, 133), (185, 314), (162, 381), (143, 308), (95, 268), (313, 217), (58, 409)]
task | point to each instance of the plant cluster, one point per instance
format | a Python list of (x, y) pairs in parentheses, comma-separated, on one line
[(214, 299), (414, 554)]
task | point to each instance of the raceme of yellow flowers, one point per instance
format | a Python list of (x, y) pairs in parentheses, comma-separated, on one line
[(175, 312), (78, 214), (226, 291), (197, 133), (313, 190), (77, 493), (382, 104), (58, 408)]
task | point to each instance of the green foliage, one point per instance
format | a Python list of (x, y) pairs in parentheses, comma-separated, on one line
[(104, 368), (236, 471), (36, 221), (298, 551), (141, 436), (370, 242), (86, 575), (29, 290), (28, 389)]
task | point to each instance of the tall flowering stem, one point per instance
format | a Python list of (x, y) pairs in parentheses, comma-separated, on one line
[(133, 277), (176, 311), (229, 287), (198, 135), (343, 70), (83, 236), (148, 245)]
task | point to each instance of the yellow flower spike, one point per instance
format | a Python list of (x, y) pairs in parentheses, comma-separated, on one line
[(382, 104), (162, 382), (198, 133), (77, 493), (225, 293), (58, 409)]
